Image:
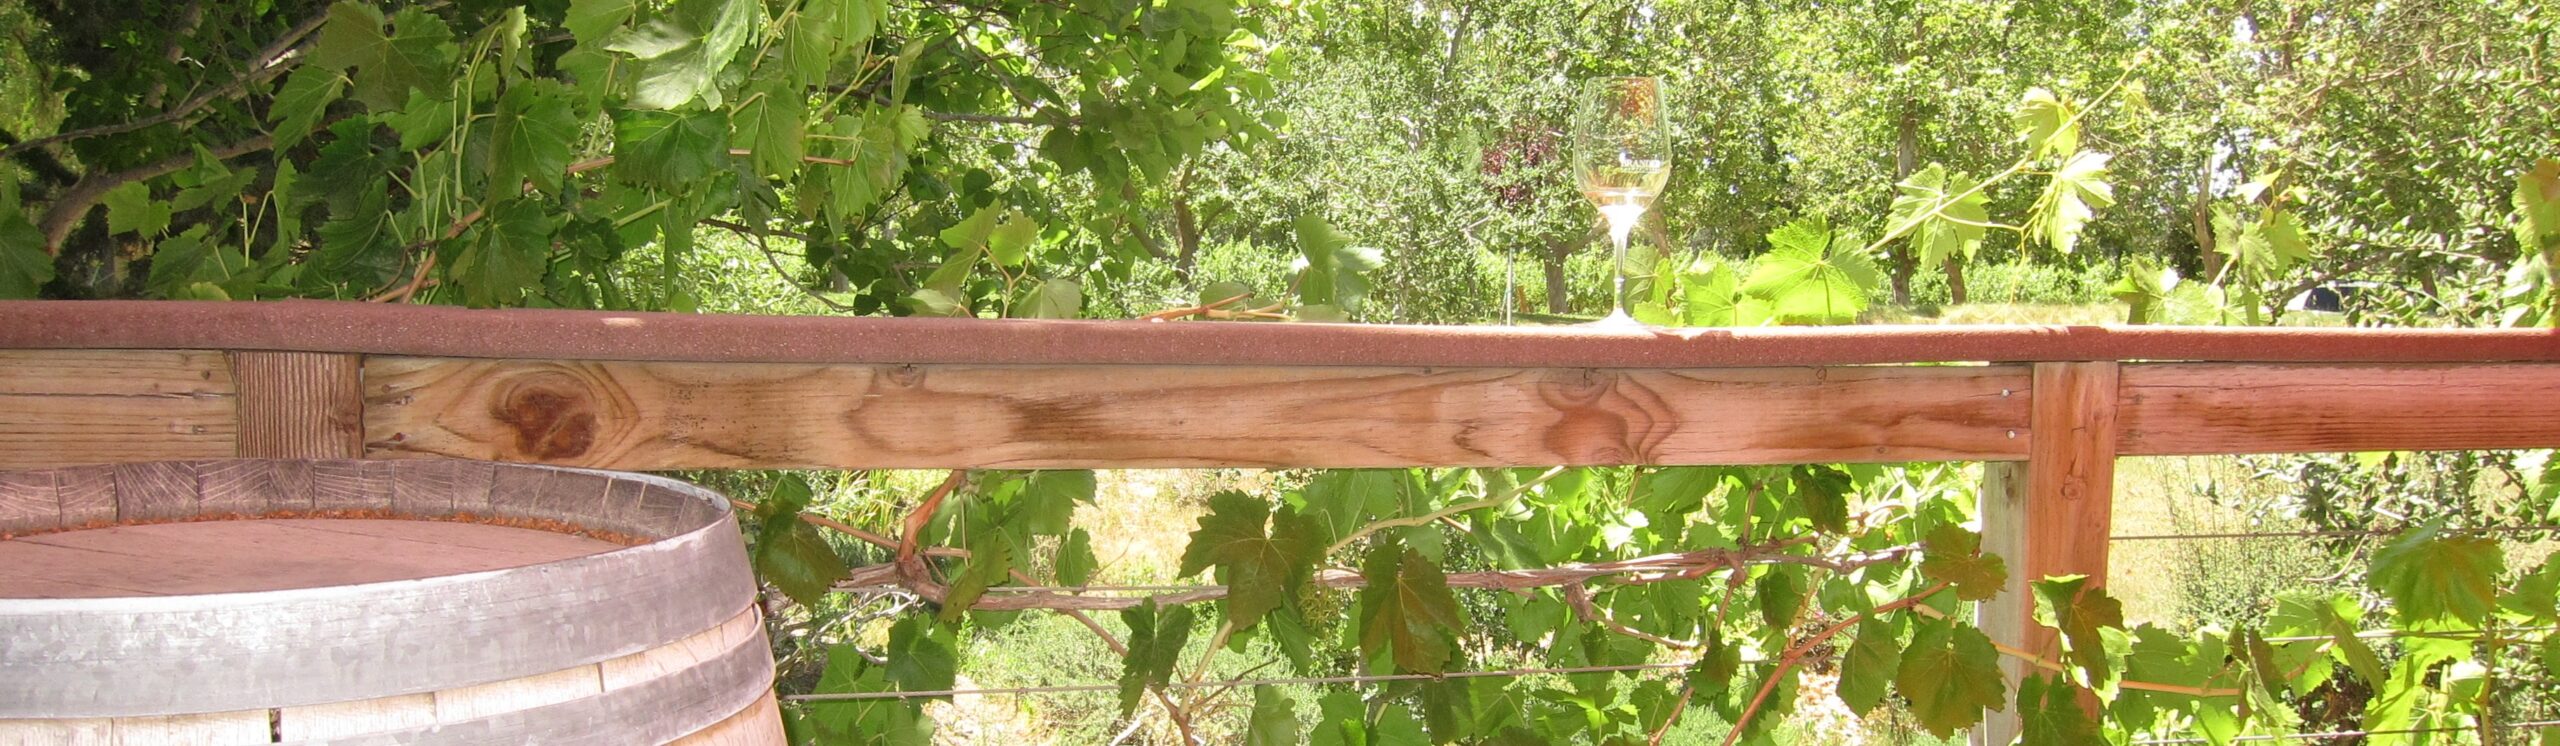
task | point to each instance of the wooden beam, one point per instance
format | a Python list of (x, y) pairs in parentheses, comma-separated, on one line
[(648, 416), (300, 404), (2190, 409), (62, 407), (2051, 515)]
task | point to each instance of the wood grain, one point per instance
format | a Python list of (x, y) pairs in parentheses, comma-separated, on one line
[(155, 491), (651, 416), (60, 407), (27, 502), (299, 404), (2189, 409), (759, 724), (357, 718), (2051, 515)]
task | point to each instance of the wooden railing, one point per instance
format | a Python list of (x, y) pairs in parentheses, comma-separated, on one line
[(2050, 408)]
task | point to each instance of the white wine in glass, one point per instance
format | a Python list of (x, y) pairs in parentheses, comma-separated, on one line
[(1622, 157)]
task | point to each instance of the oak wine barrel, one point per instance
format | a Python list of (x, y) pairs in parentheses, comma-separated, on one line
[(375, 602)]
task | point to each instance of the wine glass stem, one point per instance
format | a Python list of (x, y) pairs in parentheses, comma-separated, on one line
[(1620, 229)]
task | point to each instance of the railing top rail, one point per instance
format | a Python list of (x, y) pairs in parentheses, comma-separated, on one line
[(435, 331)]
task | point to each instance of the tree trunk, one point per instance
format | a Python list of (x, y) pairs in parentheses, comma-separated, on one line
[(1559, 294), (2201, 224), (1906, 159), (1955, 281)]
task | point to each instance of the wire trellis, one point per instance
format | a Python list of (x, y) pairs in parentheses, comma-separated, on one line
[(1228, 683), (2529, 725), (2331, 533)]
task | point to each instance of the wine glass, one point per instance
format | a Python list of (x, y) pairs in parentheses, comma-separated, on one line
[(1622, 157)]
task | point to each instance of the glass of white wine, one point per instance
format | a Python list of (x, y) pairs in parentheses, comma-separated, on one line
[(1622, 157)]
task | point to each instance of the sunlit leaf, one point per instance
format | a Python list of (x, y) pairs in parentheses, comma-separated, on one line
[(1950, 673), (2070, 199), (1942, 224), (533, 130), (2044, 122), (1810, 276), (2078, 609), (2432, 575)]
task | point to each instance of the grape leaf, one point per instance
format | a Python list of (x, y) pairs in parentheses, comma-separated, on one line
[(1274, 721), (2070, 199), (1941, 227), (386, 64), (922, 656), (2071, 604), (1261, 571), (1711, 677), (1049, 499), (1406, 609), (506, 254), (2537, 205), (24, 265), (591, 21), (130, 209), (2044, 121), (533, 129), (2432, 576), (682, 52), (789, 553), (1010, 242), (1867, 671), (1398, 727), (1811, 276), (305, 95), (1155, 646), (2536, 595), (1075, 559), (1950, 673), (669, 150), (1824, 490), (771, 124), (1711, 294), (2049, 711), (1054, 298), (990, 563), (1954, 555)]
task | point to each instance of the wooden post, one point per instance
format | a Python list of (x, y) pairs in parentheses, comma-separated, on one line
[(2051, 514), (300, 404)]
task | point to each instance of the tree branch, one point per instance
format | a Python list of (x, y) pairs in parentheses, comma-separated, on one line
[(68, 210), (270, 61)]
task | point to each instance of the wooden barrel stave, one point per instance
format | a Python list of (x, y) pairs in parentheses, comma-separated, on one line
[(393, 662)]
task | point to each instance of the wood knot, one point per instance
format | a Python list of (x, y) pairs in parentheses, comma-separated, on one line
[(551, 422)]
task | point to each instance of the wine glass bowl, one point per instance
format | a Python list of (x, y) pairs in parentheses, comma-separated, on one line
[(1621, 160)]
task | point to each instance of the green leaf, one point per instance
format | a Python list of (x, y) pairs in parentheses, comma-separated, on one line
[(1010, 242), (1942, 224), (1155, 646), (1812, 277), (2143, 290), (1780, 596), (2049, 711), (2430, 575), (1954, 555), (533, 130), (682, 53), (24, 265), (2044, 121), (2537, 208), (1056, 298), (1718, 664), (506, 255), (1868, 669), (305, 95), (671, 151), (771, 123), (1406, 610), (1397, 727), (130, 209), (1076, 562), (972, 232), (592, 21), (1950, 673), (922, 657), (1824, 491), (386, 64), (1049, 499), (789, 553), (2071, 604), (2070, 199), (990, 562), (1274, 720), (2536, 595), (1261, 571)]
